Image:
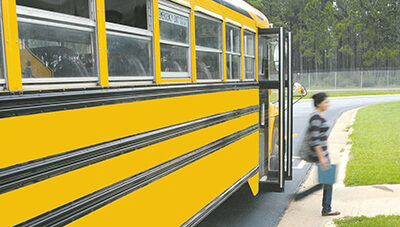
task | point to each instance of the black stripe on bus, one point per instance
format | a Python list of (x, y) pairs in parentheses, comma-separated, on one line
[(34, 171), (32, 102), (234, 7), (76, 209), (198, 217)]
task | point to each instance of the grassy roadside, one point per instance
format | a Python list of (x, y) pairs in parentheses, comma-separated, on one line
[(355, 93), (381, 220), (375, 154)]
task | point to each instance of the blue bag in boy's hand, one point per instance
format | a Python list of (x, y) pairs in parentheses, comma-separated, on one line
[(327, 176)]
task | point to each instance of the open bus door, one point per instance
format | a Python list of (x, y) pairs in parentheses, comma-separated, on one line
[(276, 108)]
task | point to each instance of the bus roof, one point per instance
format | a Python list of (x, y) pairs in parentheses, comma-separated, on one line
[(239, 6), (246, 9)]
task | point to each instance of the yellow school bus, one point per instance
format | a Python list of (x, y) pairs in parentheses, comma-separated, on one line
[(139, 113)]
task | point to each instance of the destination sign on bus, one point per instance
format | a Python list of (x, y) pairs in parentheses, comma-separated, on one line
[(173, 18)]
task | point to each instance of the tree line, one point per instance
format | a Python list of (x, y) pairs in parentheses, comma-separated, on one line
[(338, 35)]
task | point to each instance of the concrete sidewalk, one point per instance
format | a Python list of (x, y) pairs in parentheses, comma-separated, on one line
[(350, 201)]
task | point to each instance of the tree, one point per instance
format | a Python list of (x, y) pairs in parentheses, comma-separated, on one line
[(338, 34)]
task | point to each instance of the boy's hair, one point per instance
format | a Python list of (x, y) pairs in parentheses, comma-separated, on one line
[(319, 97)]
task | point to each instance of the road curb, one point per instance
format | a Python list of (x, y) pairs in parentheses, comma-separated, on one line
[(345, 157)]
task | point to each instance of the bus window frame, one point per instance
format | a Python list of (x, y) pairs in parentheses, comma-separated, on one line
[(212, 50), (137, 33), (3, 81), (248, 31), (46, 15), (60, 20), (182, 11), (230, 54)]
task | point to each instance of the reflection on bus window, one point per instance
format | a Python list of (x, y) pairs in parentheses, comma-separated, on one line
[(127, 12), (233, 63), (173, 59), (273, 64), (176, 32), (48, 51), (262, 57), (249, 66), (72, 7), (129, 56), (208, 48), (233, 66), (249, 55), (174, 39), (208, 65), (208, 33), (249, 44)]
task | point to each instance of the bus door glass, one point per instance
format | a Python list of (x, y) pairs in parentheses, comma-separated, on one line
[(275, 107)]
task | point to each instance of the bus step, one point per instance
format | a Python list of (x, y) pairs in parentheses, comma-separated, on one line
[(270, 186)]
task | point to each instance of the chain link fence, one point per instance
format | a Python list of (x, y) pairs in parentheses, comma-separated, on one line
[(350, 80)]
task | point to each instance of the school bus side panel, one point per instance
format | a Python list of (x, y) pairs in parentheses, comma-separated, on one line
[(55, 132), (175, 198), (27, 202)]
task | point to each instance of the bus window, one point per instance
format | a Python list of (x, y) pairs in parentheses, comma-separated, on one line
[(174, 39), (233, 63), (129, 41), (129, 55), (127, 12), (208, 48), (78, 8), (249, 55), (262, 57), (50, 46)]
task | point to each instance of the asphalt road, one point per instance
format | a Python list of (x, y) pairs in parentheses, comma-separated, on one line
[(267, 208)]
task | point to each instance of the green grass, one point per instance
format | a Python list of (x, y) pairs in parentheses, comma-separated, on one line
[(375, 154), (381, 221), (355, 93)]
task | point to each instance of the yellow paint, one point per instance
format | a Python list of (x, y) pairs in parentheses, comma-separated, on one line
[(182, 2), (156, 38), (29, 201), (102, 43), (175, 198), (52, 133), (177, 80), (254, 182), (11, 44), (299, 90), (295, 135), (37, 67), (260, 23), (273, 112), (193, 45), (219, 9)]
